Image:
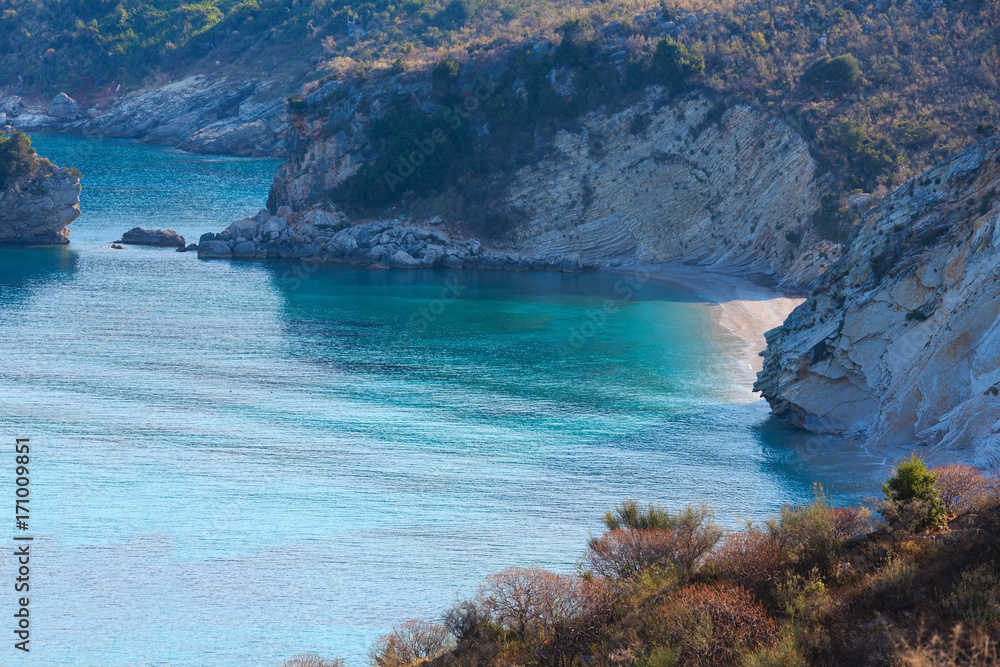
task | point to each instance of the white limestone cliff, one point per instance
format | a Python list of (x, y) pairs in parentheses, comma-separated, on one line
[(900, 341)]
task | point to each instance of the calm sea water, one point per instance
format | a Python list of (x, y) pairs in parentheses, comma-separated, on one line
[(235, 462)]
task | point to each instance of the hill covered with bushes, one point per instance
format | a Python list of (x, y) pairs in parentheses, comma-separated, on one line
[(915, 583), (881, 89)]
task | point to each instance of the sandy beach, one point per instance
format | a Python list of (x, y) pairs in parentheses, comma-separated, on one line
[(743, 309)]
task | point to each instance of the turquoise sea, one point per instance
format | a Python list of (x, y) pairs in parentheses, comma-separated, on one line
[(235, 462)]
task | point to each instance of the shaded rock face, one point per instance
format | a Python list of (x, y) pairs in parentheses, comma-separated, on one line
[(38, 209), (653, 183), (156, 237), (201, 116), (196, 114), (64, 107), (899, 342)]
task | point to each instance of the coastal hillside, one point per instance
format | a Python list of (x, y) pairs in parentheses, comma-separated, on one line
[(878, 91), (900, 341), (37, 199), (913, 583), (657, 134)]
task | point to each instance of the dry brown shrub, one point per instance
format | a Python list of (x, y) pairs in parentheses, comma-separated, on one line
[(960, 484), (712, 626), (559, 614), (413, 641), (959, 650), (626, 550), (312, 660), (751, 559), (851, 522)]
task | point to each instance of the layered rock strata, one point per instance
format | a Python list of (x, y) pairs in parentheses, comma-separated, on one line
[(899, 342)]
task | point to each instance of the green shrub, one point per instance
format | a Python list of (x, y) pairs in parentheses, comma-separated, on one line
[(446, 69), (629, 514), (671, 65), (839, 74), (986, 203), (17, 158), (915, 486), (834, 220), (417, 153), (455, 14), (808, 534), (297, 104)]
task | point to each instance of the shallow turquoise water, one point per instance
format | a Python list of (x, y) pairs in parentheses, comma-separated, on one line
[(264, 459)]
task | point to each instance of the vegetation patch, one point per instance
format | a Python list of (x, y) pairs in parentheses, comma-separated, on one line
[(17, 158)]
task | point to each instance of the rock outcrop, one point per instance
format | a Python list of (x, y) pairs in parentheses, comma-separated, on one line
[(38, 208), (167, 238), (326, 235), (731, 192), (196, 114), (899, 342), (64, 107)]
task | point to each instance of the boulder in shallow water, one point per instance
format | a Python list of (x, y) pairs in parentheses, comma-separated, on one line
[(244, 250), (166, 238), (214, 250)]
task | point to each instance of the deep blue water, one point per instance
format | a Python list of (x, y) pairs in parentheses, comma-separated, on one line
[(236, 462)]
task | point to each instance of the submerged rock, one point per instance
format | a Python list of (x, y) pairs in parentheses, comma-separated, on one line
[(167, 238)]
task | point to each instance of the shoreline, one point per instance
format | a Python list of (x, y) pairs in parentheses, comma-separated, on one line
[(743, 309)]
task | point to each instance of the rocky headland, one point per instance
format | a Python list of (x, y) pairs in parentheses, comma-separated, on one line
[(195, 113), (39, 201), (899, 342), (699, 184)]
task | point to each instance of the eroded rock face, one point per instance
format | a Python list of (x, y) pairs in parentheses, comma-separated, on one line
[(197, 114), (655, 182), (899, 342), (38, 209), (734, 192)]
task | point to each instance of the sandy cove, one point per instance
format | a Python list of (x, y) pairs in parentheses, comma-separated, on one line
[(742, 308)]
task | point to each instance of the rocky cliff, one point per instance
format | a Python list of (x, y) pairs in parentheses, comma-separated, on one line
[(38, 208), (900, 341), (654, 182), (196, 113), (733, 191)]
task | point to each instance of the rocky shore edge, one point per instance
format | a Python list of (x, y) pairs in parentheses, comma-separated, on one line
[(327, 236), (198, 114)]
